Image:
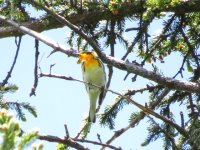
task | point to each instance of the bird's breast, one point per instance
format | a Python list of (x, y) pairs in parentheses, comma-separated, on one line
[(94, 74)]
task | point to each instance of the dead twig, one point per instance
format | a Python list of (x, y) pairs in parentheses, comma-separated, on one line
[(36, 68), (18, 43)]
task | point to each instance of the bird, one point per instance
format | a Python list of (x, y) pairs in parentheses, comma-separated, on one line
[(94, 76)]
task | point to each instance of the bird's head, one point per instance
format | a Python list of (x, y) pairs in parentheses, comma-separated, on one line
[(87, 56)]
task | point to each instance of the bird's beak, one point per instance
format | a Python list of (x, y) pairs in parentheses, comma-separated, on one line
[(79, 61)]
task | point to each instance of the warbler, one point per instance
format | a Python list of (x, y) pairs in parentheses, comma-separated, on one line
[(95, 77)]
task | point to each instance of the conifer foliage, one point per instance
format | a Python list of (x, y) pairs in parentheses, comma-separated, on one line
[(105, 24)]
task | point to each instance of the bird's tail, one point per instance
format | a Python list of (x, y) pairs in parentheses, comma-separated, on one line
[(93, 99)]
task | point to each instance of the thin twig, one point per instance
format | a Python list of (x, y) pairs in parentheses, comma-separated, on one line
[(66, 131), (182, 66), (191, 105), (129, 92), (182, 119), (99, 137), (68, 141), (69, 78), (140, 33), (36, 68), (18, 43), (82, 128), (191, 48), (97, 143)]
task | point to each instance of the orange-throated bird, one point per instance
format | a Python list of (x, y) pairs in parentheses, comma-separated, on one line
[(93, 73)]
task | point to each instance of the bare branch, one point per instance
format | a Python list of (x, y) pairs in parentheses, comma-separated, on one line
[(5, 81), (60, 77), (182, 66), (73, 142), (99, 137), (56, 139), (97, 143), (158, 78), (182, 119), (36, 68)]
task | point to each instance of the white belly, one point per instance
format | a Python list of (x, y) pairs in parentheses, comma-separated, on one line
[(95, 76)]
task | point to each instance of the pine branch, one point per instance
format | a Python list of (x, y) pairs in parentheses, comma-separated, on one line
[(85, 129), (38, 25), (154, 132), (139, 117), (7, 89), (140, 33), (147, 110), (18, 107), (98, 15), (190, 47), (167, 134), (110, 112), (153, 113)]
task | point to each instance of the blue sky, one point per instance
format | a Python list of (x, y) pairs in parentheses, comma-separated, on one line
[(60, 102)]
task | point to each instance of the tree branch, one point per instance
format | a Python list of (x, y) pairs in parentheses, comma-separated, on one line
[(147, 110), (56, 139), (153, 113), (97, 143), (156, 77), (61, 19), (96, 15), (39, 36), (120, 64), (73, 142)]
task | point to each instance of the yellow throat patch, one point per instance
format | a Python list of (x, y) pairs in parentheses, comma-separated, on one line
[(89, 59)]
